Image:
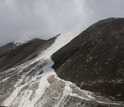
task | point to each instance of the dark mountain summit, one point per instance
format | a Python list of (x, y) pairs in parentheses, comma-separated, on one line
[(95, 59)]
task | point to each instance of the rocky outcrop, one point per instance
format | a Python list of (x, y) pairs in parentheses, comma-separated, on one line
[(95, 59)]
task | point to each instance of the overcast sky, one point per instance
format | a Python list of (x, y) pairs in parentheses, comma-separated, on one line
[(21, 19)]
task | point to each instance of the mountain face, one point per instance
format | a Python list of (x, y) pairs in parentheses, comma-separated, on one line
[(94, 60), (13, 54), (30, 78)]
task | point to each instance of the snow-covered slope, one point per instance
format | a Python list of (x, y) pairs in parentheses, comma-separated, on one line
[(35, 84)]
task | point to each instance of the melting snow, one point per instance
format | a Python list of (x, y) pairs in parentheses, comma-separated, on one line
[(23, 98), (61, 40)]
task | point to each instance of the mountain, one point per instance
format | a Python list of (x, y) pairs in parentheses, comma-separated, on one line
[(95, 59), (30, 78), (12, 55)]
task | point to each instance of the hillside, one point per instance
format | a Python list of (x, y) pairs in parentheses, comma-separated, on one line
[(12, 55), (54, 73), (95, 59)]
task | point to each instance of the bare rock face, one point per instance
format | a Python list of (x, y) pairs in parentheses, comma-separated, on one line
[(95, 59)]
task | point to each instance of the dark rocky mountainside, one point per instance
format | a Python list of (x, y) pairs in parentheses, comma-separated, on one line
[(12, 55), (95, 59)]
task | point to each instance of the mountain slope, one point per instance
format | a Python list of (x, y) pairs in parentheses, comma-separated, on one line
[(35, 84), (12, 55), (95, 59)]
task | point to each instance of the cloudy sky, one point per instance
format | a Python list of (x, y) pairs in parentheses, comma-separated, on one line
[(21, 19)]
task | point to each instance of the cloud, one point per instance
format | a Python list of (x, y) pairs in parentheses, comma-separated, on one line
[(46, 18), (102, 9)]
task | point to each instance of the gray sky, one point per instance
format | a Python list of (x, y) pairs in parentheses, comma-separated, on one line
[(21, 19)]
